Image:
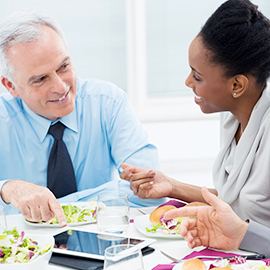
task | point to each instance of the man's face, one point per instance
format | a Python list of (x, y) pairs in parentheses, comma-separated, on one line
[(44, 77)]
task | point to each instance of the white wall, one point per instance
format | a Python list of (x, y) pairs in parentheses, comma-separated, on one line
[(187, 149)]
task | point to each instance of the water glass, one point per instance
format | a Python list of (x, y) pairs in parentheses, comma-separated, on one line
[(112, 211), (3, 220), (123, 257)]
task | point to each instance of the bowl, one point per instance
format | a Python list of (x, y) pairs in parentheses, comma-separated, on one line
[(41, 261)]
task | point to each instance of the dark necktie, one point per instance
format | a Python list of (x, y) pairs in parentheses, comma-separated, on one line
[(60, 173)]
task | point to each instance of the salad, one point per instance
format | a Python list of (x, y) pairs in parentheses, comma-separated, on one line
[(18, 248), (240, 263), (75, 214), (166, 226)]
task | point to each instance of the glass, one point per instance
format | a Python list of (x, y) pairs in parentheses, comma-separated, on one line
[(122, 257), (112, 211), (3, 220)]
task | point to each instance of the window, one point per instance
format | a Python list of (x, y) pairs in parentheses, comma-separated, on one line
[(140, 45), (159, 34)]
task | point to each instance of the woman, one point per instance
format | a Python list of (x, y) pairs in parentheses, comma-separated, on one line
[(230, 66)]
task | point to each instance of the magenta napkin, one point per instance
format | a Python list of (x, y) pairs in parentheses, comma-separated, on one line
[(267, 261), (209, 252), (175, 203), (163, 267)]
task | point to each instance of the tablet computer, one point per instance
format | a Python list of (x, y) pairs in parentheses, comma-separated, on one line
[(86, 244)]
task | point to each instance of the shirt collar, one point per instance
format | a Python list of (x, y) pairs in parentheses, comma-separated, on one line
[(41, 125)]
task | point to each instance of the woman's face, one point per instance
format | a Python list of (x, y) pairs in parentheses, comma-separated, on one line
[(213, 92)]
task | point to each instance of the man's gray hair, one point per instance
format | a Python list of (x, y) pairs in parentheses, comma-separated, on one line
[(22, 27)]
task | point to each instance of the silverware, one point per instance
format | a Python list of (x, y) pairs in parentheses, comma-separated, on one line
[(170, 257), (248, 257), (141, 211)]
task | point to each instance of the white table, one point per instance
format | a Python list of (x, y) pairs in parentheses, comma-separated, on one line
[(177, 245)]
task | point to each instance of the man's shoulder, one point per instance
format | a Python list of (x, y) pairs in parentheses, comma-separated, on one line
[(9, 106), (98, 88)]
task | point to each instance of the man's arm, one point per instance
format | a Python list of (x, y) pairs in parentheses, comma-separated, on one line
[(129, 143), (128, 140)]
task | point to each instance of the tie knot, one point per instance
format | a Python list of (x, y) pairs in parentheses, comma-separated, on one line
[(57, 130)]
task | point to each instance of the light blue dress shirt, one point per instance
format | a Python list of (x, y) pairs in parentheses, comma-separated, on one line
[(102, 132)]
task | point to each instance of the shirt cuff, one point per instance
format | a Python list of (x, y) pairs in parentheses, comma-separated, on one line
[(1, 185), (257, 239)]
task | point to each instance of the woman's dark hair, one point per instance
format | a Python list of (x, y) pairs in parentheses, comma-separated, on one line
[(238, 38)]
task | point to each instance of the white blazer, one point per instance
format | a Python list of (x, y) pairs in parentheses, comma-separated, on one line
[(241, 172)]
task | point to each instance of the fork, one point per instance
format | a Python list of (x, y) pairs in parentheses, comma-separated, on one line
[(141, 211), (248, 257)]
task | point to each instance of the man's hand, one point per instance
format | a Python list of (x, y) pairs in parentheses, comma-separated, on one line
[(35, 202), (215, 226), (146, 183)]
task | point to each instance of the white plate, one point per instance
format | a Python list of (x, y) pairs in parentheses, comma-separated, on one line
[(43, 224), (143, 221), (233, 266)]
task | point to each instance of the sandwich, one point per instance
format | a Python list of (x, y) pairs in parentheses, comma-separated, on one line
[(221, 268), (167, 226), (195, 264), (159, 223), (158, 213)]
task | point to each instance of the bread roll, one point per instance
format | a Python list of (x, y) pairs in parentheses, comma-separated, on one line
[(196, 204), (221, 268), (158, 212), (194, 264)]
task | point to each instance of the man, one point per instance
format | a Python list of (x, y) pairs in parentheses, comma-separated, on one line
[(217, 226), (100, 130)]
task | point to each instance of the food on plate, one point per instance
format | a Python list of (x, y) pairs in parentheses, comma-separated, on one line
[(238, 263), (222, 268), (19, 248), (167, 226), (159, 223), (75, 213), (194, 264), (196, 204), (158, 212)]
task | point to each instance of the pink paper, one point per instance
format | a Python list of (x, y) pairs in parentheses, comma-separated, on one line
[(163, 267), (210, 252), (175, 203)]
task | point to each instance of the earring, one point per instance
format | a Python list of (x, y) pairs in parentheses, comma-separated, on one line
[(234, 94)]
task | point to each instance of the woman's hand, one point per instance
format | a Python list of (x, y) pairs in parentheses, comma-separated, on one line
[(215, 226), (146, 183)]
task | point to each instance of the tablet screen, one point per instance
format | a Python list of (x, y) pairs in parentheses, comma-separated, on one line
[(89, 244)]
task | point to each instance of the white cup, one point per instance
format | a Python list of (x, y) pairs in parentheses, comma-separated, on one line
[(112, 211), (123, 257), (3, 220)]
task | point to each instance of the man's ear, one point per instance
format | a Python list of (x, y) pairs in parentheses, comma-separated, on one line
[(240, 85), (9, 86)]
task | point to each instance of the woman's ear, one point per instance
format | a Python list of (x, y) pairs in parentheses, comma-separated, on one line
[(9, 86), (240, 85)]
